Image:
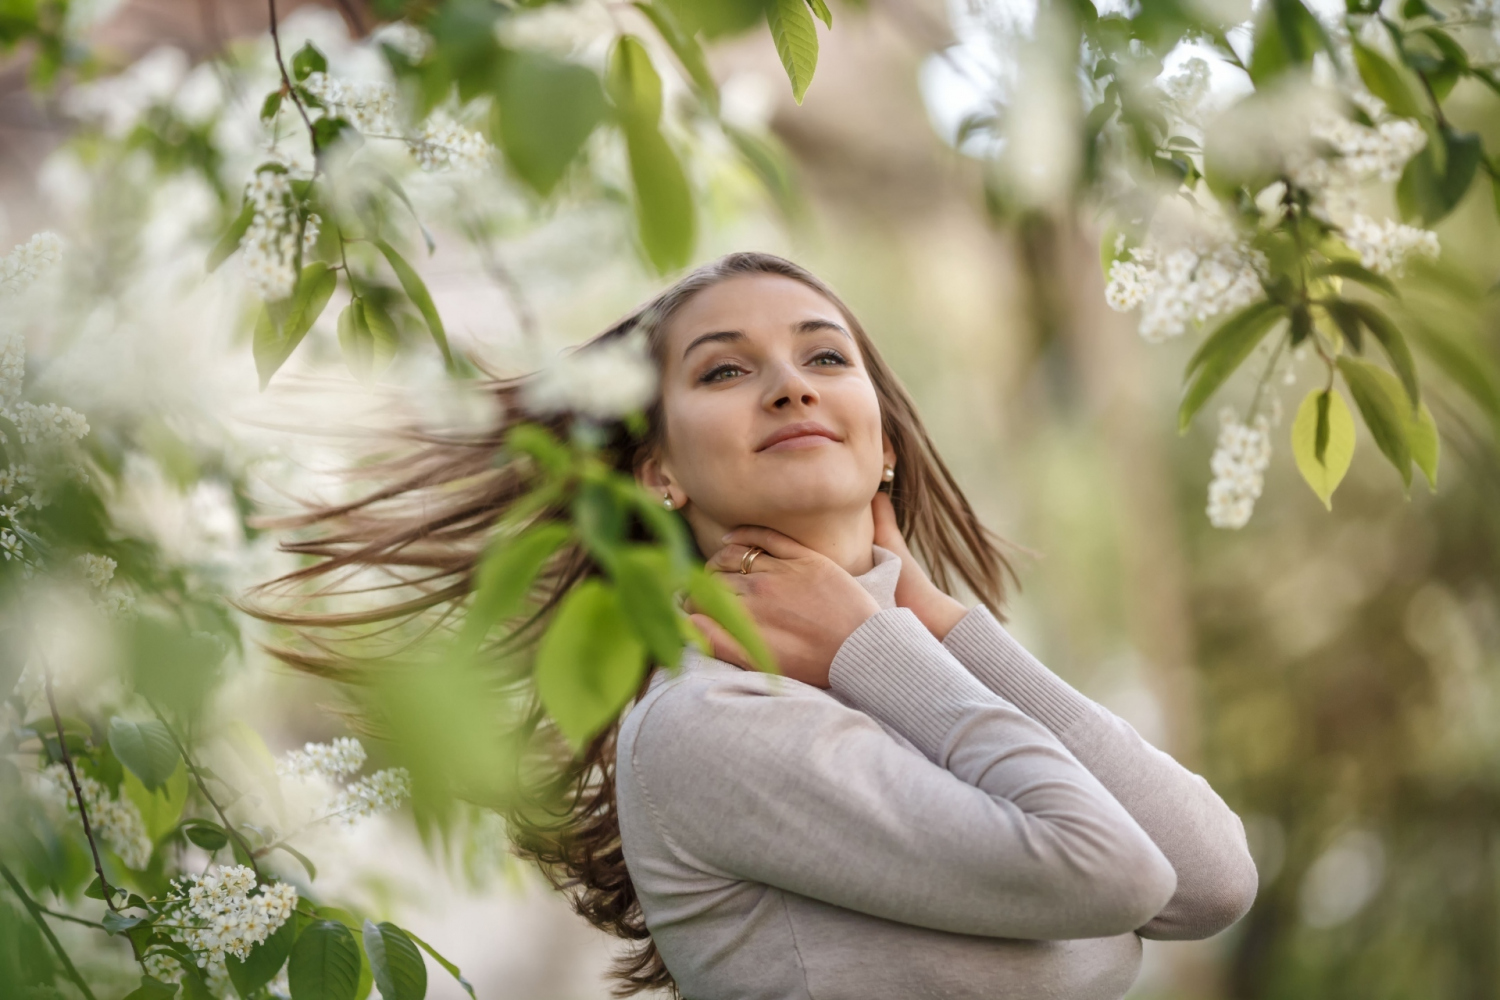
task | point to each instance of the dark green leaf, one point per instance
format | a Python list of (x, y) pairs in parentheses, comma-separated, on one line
[(1395, 347), (796, 41), (452, 969), (1379, 397), (271, 105), (207, 835), (547, 109), (1223, 352), (327, 131), (115, 923), (416, 290), (589, 662), (640, 574), (1429, 192), (152, 989), (146, 748), (1348, 322), (273, 345), (505, 577), (1385, 81), (230, 241), (1356, 272), (324, 964), (308, 60), (395, 962)]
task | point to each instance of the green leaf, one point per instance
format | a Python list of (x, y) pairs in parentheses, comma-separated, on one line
[(230, 241), (589, 663), (665, 214), (1223, 352), (146, 749), (117, 923), (400, 973), (270, 106), (632, 82), (206, 834), (1381, 402), (1287, 35), (327, 131), (1348, 322), (452, 969), (367, 338), (394, 187), (1356, 272), (416, 290), (324, 964), (1395, 347), (547, 108), (1430, 187), (683, 45), (1422, 436), (505, 577), (713, 597), (306, 862), (273, 346), (308, 60), (1385, 81), (152, 989), (160, 809), (824, 14), (1323, 417), (264, 960), (770, 164), (640, 573), (796, 41), (356, 933)]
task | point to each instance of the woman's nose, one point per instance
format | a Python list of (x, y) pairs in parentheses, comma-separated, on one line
[(789, 387)]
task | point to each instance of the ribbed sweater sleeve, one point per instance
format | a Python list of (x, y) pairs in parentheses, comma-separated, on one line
[(1199, 834), (998, 830)]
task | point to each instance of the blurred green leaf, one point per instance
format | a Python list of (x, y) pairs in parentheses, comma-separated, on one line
[(717, 17), (1429, 192), (633, 84), (505, 577), (449, 966), (771, 165), (1395, 347), (324, 963), (302, 859), (274, 345), (1323, 442), (1222, 353), (1385, 81), (230, 241), (172, 664), (416, 290), (1382, 404), (308, 60), (664, 209), (640, 574), (152, 989), (160, 810), (589, 663), (1356, 272), (395, 962), (796, 41), (683, 45), (206, 834), (146, 749), (264, 961), (713, 597), (1287, 35), (367, 338), (270, 106), (546, 110)]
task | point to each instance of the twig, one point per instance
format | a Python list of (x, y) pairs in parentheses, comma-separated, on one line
[(36, 914), (203, 785), (83, 813), (286, 81), (69, 917)]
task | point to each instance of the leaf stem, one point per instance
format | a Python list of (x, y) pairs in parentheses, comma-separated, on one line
[(36, 914)]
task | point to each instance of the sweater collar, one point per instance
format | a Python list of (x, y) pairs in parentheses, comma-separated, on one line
[(880, 580)]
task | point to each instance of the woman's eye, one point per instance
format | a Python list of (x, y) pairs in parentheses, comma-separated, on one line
[(717, 373), (830, 356)]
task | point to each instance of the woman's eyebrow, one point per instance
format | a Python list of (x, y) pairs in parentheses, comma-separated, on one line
[(812, 325), (731, 336)]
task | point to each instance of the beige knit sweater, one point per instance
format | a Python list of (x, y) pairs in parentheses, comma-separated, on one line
[(947, 819)]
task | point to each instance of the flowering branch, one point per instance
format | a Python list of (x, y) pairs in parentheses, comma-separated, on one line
[(36, 914), (286, 81), (83, 813)]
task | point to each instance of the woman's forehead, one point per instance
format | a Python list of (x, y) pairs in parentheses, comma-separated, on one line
[(750, 302)]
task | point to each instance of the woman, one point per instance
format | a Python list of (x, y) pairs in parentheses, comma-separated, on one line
[(918, 807)]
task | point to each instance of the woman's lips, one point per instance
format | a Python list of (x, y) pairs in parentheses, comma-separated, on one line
[(797, 436)]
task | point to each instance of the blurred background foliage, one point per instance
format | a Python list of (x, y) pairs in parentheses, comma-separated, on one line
[(1332, 673)]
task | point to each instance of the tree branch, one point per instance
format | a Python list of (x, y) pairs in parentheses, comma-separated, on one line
[(36, 915), (83, 813)]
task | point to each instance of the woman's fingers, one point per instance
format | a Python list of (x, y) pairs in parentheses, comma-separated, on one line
[(724, 645), (731, 558), (774, 542)]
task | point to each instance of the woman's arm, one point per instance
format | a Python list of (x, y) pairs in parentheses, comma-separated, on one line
[(999, 832), (1199, 834)]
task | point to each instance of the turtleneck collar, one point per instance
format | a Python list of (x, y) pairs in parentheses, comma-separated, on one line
[(880, 580)]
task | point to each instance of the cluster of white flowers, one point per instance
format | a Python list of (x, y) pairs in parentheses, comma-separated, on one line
[(367, 105), (223, 912), (99, 570), (605, 381), (24, 264), (1239, 463), (404, 37), (1384, 247), (47, 423), (269, 247), (117, 821), (1188, 283), (1187, 89), (1358, 152), (379, 792), (343, 756), (444, 144)]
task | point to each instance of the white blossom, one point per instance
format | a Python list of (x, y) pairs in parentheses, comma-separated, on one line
[(117, 821), (1384, 247), (381, 791), (98, 569), (1191, 282), (269, 246), (223, 912), (1239, 462), (444, 144), (605, 381), (368, 106), (46, 423), (404, 37), (23, 265), (343, 756)]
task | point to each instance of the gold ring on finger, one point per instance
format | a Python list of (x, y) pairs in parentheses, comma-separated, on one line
[(749, 557)]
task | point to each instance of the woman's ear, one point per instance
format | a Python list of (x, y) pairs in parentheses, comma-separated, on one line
[(655, 477), (888, 451)]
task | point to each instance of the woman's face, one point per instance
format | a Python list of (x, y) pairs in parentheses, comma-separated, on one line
[(770, 415)]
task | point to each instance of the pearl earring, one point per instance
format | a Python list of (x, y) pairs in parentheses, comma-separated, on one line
[(666, 501), (890, 474)]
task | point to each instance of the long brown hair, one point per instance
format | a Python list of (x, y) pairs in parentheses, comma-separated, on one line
[(439, 496)]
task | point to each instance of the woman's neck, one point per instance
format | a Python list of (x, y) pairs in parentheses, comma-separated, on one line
[(847, 538)]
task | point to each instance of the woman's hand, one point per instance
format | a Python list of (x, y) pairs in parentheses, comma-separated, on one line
[(805, 604), (914, 590)]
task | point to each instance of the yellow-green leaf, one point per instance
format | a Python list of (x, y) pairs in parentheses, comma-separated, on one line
[(1422, 436), (589, 663), (416, 290), (1383, 404), (1323, 415), (820, 8), (632, 82), (796, 39), (274, 344), (714, 598), (1385, 81), (160, 810), (665, 216)]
